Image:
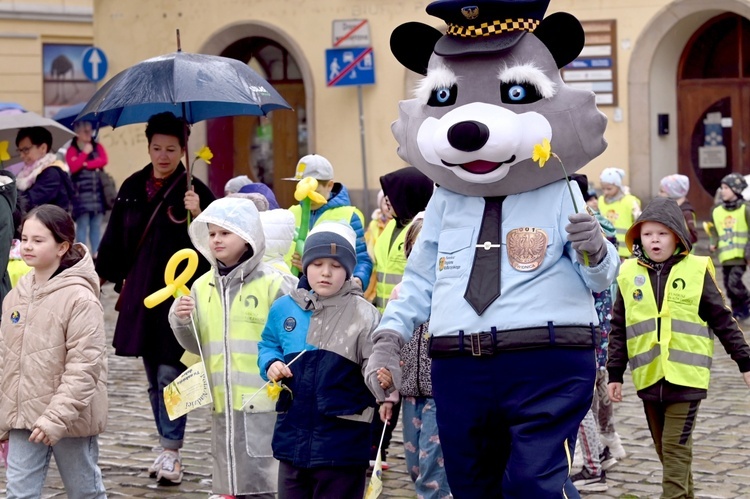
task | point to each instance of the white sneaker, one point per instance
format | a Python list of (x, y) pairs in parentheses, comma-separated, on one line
[(153, 470), (612, 440), (171, 469)]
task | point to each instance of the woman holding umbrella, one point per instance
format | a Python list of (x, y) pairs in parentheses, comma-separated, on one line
[(147, 226)]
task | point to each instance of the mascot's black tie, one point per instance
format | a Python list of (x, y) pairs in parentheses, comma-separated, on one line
[(484, 280)]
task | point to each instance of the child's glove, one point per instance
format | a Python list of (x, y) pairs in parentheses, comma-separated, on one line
[(586, 235), (386, 352)]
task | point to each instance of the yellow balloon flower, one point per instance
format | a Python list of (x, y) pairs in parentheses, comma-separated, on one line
[(306, 189), (205, 154), (542, 152), (4, 156)]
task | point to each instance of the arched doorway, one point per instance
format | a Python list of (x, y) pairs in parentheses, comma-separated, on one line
[(714, 106), (266, 148)]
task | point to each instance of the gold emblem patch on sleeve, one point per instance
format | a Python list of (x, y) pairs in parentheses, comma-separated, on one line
[(526, 248)]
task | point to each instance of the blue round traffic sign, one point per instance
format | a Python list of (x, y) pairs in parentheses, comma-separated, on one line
[(94, 64)]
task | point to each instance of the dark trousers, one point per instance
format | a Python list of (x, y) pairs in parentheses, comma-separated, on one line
[(506, 421), (331, 482), (736, 289), (671, 426)]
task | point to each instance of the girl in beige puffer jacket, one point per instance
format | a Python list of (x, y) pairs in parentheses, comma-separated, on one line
[(53, 386)]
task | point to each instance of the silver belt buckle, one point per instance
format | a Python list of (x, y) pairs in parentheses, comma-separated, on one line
[(476, 347)]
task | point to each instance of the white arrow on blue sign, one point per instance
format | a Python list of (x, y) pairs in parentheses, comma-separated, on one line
[(350, 66), (94, 64)]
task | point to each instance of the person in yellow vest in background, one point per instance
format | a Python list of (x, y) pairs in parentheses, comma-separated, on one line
[(731, 218), (337, 209), (667, 312), (232, 301), (618, 205), (378, 220), (407, 192)]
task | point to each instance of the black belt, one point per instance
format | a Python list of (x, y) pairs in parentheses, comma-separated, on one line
[(490, 343)]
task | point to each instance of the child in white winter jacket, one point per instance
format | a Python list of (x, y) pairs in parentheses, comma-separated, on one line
[(53, 389), (230, 305)]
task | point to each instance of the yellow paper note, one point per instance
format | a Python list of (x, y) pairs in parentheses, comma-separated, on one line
[(188, 391)]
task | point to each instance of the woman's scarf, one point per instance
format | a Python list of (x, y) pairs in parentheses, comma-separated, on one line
[(28, 174)]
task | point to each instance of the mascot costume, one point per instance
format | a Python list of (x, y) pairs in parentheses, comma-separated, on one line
[(504, 266)]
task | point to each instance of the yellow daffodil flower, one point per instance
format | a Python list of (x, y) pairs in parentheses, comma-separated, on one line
[(4, 156), (306, 188), (542, 152), (273, 389), (205, 154)]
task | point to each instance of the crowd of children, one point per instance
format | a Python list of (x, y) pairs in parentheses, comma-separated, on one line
[(251, 320)]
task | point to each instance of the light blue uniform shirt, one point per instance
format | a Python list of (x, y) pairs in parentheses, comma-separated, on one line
[(437, 272)]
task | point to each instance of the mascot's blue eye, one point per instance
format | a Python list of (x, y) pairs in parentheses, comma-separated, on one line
[(519, 93), (516, 93), (442, 97)]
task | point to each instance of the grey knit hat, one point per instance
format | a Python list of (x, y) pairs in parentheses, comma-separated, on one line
[(331, 240)]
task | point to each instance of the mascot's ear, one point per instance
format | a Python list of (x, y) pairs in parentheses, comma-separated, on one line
[(563, 35), (412, 44)]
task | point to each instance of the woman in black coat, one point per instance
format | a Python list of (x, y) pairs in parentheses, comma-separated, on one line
[(147, 226)]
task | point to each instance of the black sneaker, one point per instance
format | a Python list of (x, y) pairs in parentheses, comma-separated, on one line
[(586, 482), (606, 460)]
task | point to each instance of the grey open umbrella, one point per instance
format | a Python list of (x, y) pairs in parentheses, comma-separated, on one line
[(11, 123)]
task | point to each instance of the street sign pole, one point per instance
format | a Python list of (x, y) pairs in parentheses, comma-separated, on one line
[(364, 156)]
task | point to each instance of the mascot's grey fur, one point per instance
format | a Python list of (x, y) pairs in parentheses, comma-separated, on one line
[(512, 319)]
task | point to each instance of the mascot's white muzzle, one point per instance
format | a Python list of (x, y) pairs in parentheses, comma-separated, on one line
[(479, 142)]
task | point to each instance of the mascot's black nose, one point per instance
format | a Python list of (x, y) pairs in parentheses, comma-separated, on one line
[(468, 136)]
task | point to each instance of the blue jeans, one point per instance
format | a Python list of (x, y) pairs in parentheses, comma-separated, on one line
[(89, 227), (159, 375), (424, 457), (76, 460)]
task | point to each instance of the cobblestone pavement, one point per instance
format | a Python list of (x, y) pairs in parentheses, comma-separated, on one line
[(722, 441)]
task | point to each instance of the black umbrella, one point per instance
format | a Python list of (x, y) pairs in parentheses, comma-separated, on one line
[(195, 87)]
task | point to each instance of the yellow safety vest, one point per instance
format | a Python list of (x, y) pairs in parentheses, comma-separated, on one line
[(390, 262), (674, 342), (620, 213), (731, 226), (339, 214), (229, 336)]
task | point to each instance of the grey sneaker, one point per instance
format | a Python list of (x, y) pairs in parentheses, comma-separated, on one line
[(586, 482), (171, 469)]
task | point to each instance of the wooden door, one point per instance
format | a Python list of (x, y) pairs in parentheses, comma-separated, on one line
[(713, 135), (287, 148)]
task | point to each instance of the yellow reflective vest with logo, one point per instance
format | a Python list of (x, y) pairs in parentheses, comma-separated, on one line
[(731, 226), (338, 214), (230, 336), (620, 213), (672, 343), (390, 262)]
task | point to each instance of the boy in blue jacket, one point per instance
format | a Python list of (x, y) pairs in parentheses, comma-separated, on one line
[(322, 434)]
